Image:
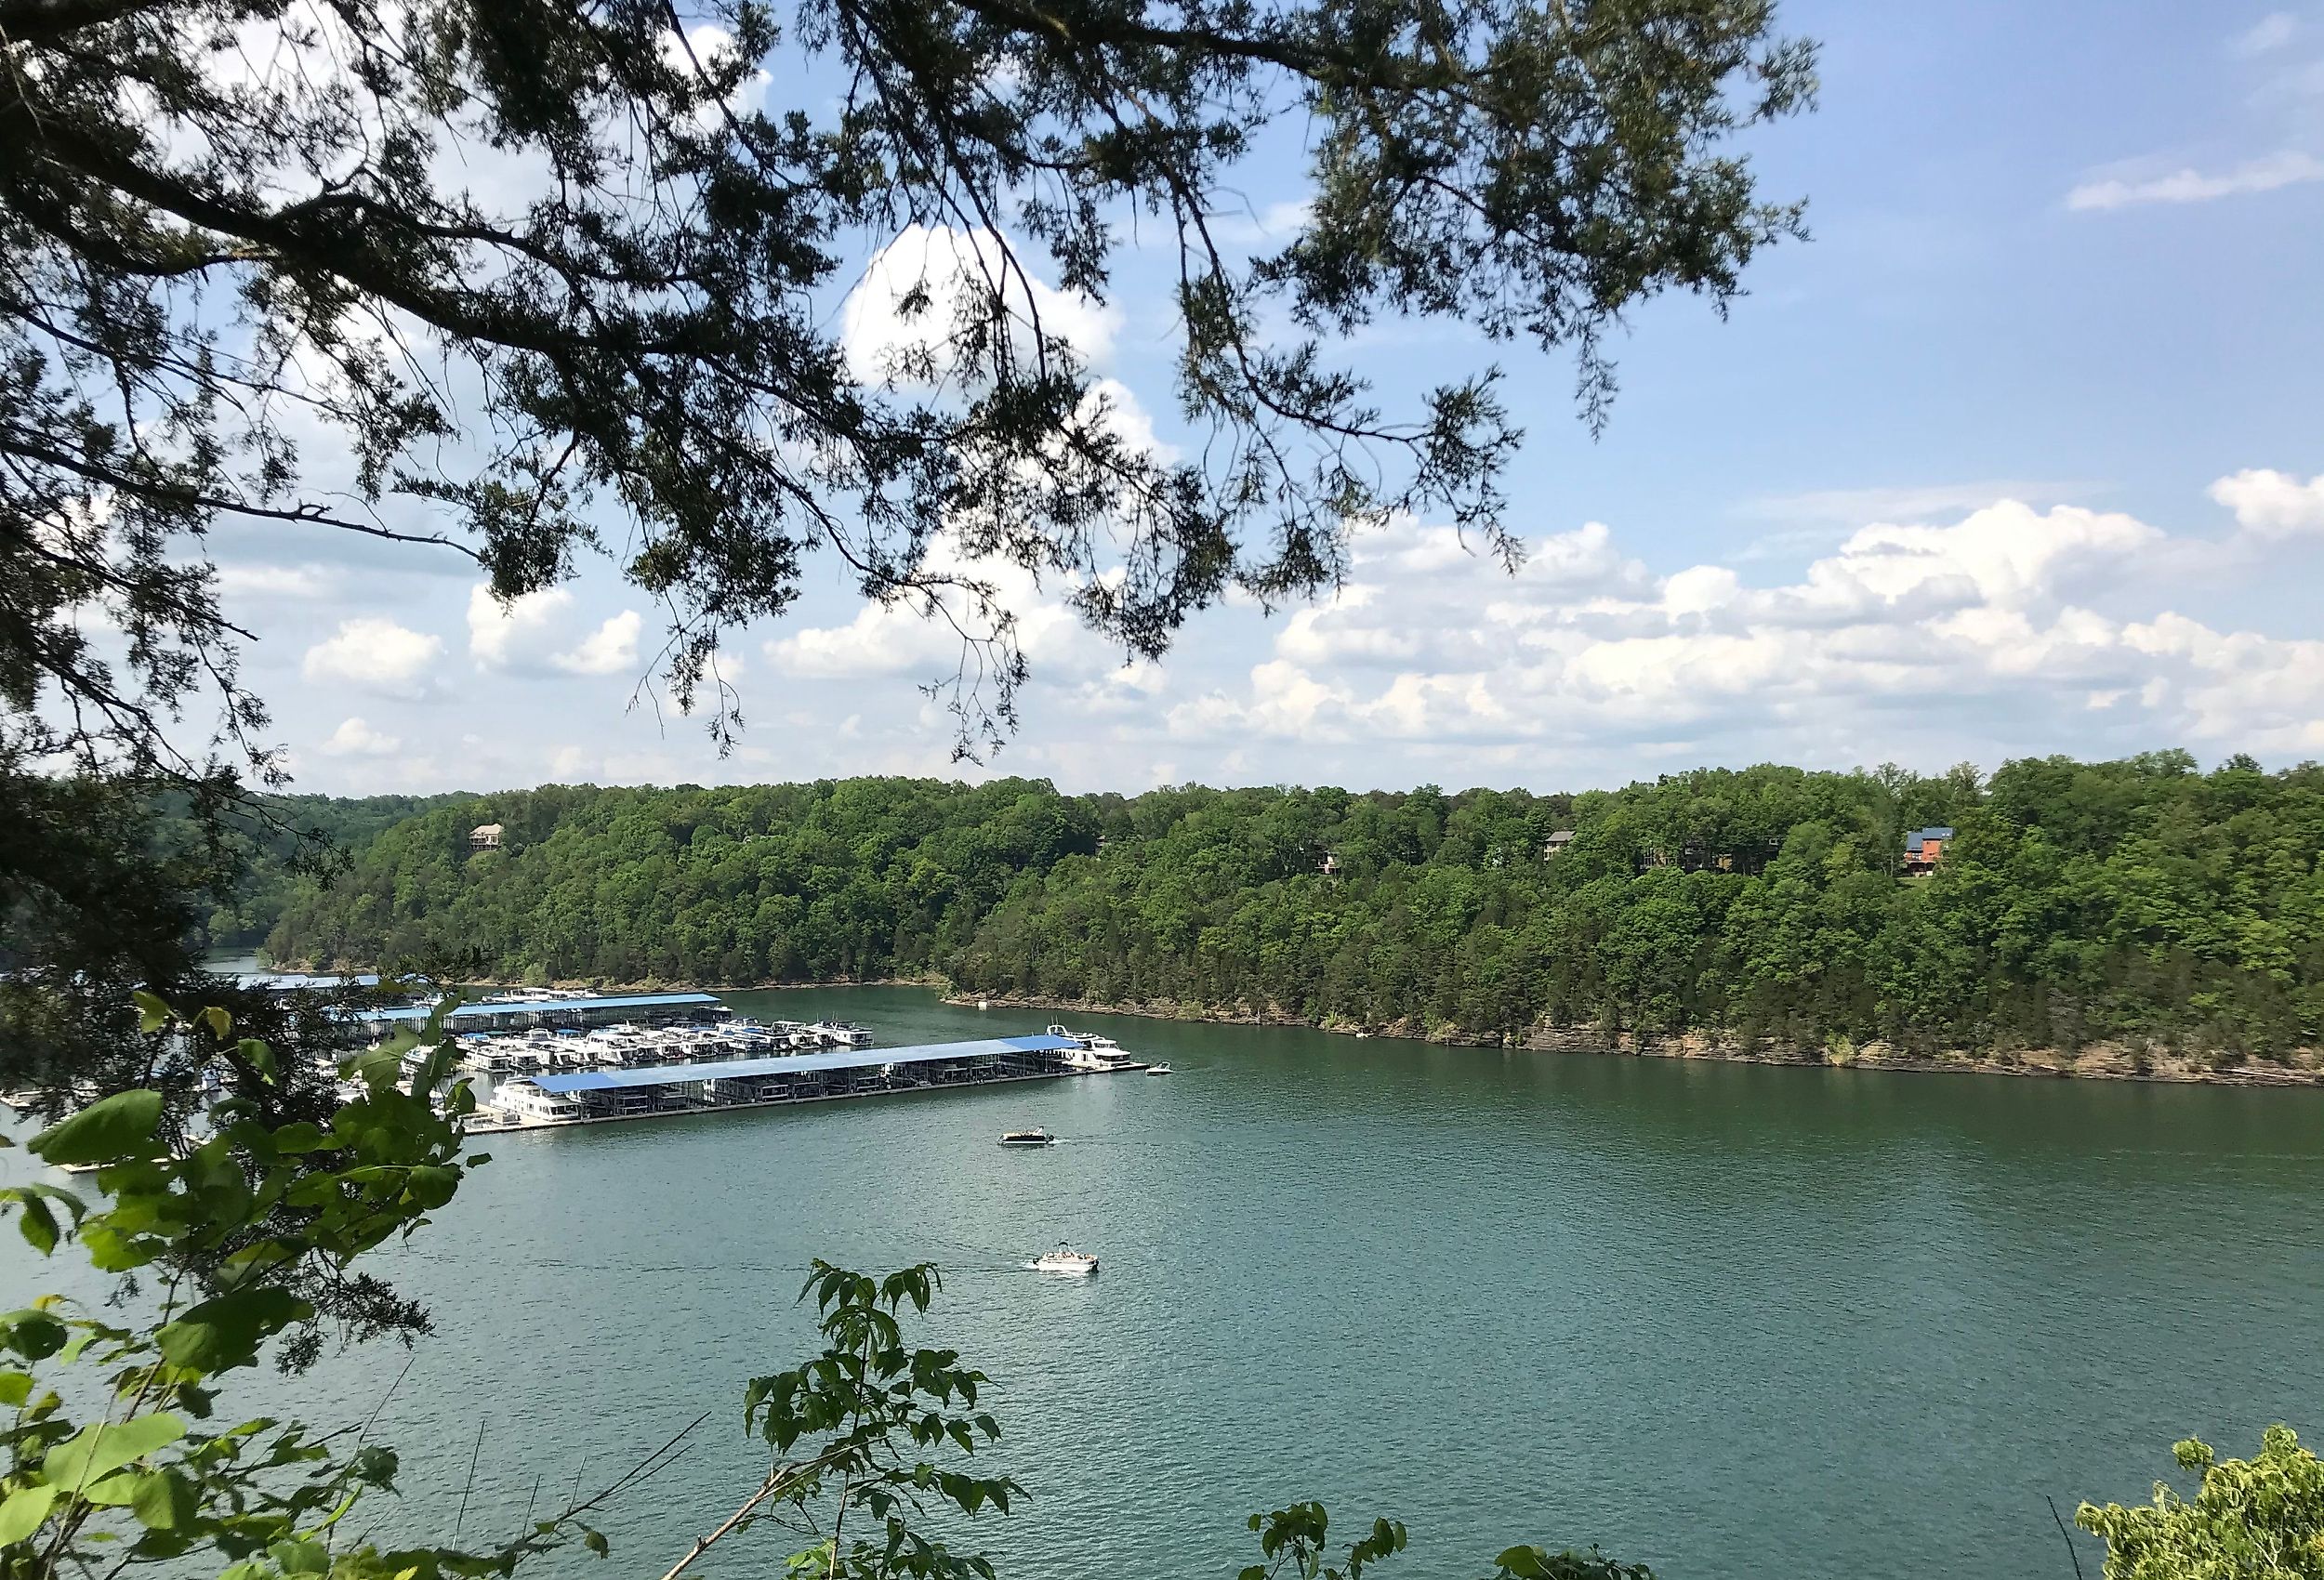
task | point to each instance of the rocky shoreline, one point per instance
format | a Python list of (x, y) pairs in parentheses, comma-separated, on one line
[(2099, 1061)]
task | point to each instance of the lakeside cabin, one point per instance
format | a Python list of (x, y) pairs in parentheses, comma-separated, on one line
[(484, 836), (545, 1014), (1923, 849)]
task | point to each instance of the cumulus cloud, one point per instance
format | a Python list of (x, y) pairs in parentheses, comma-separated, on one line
[(2290, 167), (1991, 618), (705, 49), (910, 638), (373, 653), (354, 738), (898, 324), (609, 649), (512, 635), (538, 635), (2271, 504)]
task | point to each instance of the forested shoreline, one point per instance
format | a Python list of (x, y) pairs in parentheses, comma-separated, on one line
[(2142, 906)]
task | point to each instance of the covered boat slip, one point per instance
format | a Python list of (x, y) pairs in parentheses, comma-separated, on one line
[(745, 1083), (495, 1017)]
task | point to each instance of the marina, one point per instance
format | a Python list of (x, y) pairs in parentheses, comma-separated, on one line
[(529, 1012), (557, 1078)]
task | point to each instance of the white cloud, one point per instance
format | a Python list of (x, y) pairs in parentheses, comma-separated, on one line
[(376, 654), (2271, 32), (707, 48), (354, 738), (2272, 504), (609, 649), (899, 321), (518, 634), (1982, 628), (536, 635), (2290, 167), (285, 582), (1273, 225)]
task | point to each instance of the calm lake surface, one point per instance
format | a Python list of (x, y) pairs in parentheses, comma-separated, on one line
[(1728, 1320)]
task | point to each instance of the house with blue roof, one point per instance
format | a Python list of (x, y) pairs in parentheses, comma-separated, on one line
[(1923, 849)]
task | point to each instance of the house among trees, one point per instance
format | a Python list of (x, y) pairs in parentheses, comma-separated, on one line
[(1556, 842), (484, 836), (1923, 849), (1750, 857), (1329, 866)]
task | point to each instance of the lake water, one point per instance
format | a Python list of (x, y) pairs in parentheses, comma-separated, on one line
[(1728, 1320)]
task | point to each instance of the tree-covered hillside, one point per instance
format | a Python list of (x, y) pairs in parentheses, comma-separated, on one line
[(269, 840), (2139, 900)]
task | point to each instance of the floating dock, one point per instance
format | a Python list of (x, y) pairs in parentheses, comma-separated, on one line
[(590, 1097), (497, 1016)]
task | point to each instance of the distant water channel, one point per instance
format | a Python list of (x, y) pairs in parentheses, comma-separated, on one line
[(1732, 1321)]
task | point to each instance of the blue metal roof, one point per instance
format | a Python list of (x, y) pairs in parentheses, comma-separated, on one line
[(544, 1006), (744, 1069)]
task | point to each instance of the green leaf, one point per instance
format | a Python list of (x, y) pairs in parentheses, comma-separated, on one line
[(258, 1056), (165, 1501), (595, 1542), (38, 1223), (32, 1333), (221, 1333), (14, 1387), (152, 1014), (221, 1024), (22, 1513), (301, 1557), (102, 1447), (123, 1125), (299, 1136)]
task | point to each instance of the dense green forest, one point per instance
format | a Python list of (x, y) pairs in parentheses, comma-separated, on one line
[(2141, 901), (271, 852)]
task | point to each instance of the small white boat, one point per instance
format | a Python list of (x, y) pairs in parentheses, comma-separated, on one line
[(1036, 1136), (1160, 1070), (1065, 1260)]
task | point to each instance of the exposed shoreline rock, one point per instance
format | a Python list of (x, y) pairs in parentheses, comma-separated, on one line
[(2099, 1061)]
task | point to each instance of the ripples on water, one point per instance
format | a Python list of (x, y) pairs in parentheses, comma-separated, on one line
[(1734, 1321)]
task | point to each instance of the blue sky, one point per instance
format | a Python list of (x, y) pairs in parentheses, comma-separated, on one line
[(2023, 453)]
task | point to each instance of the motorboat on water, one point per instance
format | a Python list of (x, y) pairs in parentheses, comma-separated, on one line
[(1036, 1136), (1160, 1070), (1065, 1260)]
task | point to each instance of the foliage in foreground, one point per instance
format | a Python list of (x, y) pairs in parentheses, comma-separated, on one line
[(2140, 901), (228, 1228), (2257, 1519)]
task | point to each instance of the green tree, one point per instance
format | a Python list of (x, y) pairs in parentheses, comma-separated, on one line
[(205, 262), (2257, 1519)]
